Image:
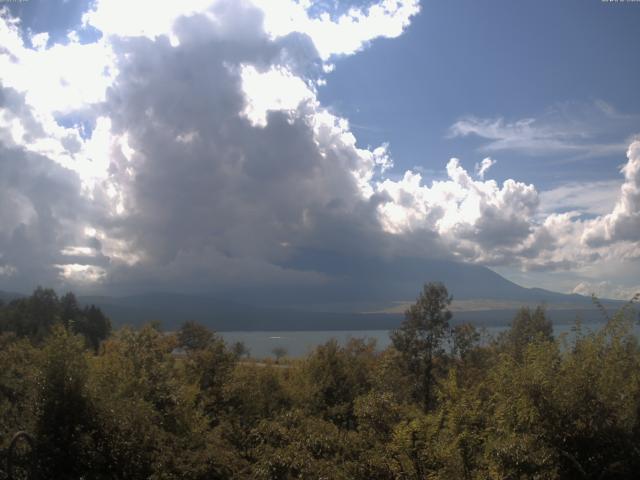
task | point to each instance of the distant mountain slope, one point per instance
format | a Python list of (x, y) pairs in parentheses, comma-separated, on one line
[(8, 296), (375, 283), (362, 293), (172, 310)]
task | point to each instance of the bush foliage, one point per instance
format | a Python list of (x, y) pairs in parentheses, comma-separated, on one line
[(437, 404)]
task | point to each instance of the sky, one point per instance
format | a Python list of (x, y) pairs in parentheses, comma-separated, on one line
[(207, 145)]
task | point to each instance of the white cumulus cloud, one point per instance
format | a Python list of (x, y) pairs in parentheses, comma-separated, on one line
[(484, 166), (607, 289), (623, 223), (189, 147)]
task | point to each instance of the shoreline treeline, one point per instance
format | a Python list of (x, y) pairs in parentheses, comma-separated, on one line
[(125, 405)]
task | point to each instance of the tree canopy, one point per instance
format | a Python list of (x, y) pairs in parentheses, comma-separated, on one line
[(34, 316), (421, 336), (437, 404)]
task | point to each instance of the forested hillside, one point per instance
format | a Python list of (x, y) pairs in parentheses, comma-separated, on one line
[(438, 404)]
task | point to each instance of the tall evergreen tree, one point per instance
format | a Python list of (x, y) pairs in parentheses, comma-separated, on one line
[(421, 336)]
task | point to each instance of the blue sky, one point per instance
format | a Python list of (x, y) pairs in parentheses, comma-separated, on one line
[(553, 62), (205, 144), (496, 59)]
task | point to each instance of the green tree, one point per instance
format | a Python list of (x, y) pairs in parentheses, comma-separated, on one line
[(528, 326), (421, 336), (64, 411), (389, 375), (94, 325), (210, 368), (255, 393), (334, 376), (18, 360), (240, 349), (279, 353), (33, 316), (296, 445), (465, 337), (70, 311), (194, 336)]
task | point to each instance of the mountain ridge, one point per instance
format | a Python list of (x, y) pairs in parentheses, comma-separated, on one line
[(366, 294)]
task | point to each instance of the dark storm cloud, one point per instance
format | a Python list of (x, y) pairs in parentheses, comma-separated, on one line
[(13, 102), (209, 190), (189, 192), (41, 206), (211, 201)]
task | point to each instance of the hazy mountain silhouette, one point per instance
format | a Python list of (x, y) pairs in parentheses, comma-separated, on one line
[(360, 297), (6, 297), (363, 293)]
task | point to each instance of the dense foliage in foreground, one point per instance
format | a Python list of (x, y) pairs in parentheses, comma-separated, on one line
[(524, 405)]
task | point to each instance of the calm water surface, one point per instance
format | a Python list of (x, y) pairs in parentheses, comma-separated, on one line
[(300, 343)]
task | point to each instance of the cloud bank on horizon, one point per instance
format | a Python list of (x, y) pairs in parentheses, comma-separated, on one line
[(187, 149)]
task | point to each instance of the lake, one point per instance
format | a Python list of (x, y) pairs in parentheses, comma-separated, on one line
[(301, 343)]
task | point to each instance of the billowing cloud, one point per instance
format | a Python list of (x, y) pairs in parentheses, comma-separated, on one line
[(473, 216), (188, 170), (275, 89), (42, 212), (483, 222), (189, 148), (623, 223), (607, 289), (484, 166), (346, 34)]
